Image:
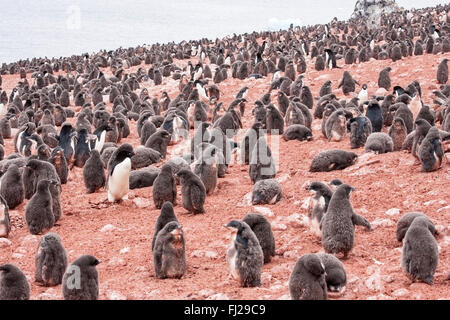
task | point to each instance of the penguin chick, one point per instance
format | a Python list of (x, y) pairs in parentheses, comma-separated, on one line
[(167, 215), (379, 142), (360, 129), (267, 191), (398, 133), (297, 132), (338, 224), (319, 205), (169, 252), (93, 172), (335, 127), (50, 260), (164, 187), (431, 151), (335, 275), (80, 281), (193, 191), (5, 224), (39, 210), (245, 257), (119, 167), (13, 283), (405, 221), (206, 169), (307, 280), (143, 178), (332, 160), (11, 187), (263, 231), (420, 253)]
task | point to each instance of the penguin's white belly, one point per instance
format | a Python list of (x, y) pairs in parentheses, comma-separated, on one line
[(119, 183), (3, 231), (232, 260), (19, 138), (100, 143)]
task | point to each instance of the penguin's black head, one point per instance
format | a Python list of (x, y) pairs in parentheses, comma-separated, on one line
[(335, 182), (174, 228), (7, 268), (235, 224), (125, 151), (313, 264)]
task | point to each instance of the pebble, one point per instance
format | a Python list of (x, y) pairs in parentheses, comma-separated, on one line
[(393, 212), (114, 295), (218, 296), (380, 222), (142, 202), (278, 226), (5, 243), (264, 211), (108, 227), (400, 292)]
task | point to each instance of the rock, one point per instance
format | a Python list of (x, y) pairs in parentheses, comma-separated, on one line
[(115, 262), (125, 250), (108, 227), (291, 254), (380, 222), (374, 281), (278, 226), (296, 220), (379, 297), (17, 255), (203, 253), (218, 296), (205, 293), (388, 279), (276, 287), (285, 297), (282, 178), (447, 208), (5, 243), (154, 294), (50, 294), (266, 277), (30, 241), (306, 203), (114, 295), (246, 200), (393, 212), (381, 92), (142, 202), (264, 211), (400, 292)]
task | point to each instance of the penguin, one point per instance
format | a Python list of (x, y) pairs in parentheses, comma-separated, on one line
[(334, 159), (326, 89), (267, 191), (319, 205), (245, 256), (338, 224), (169, 254), (39, 210), (420, 253), (374, 113), (164, 187), (297, 132), (307, 280), (21, 139), (193, 191), (144, 157), (82, 148), (335, 127), (431, 151), (274, 121), (93, 172), (363, 95), (262, 165), (119, 167), (378, 143), (11, 187), (420, 132), (398, 133), (58, 160), (249, 141), (384, 80), (50, 260), (306, 97), (330, 59), (5, 224), (405, 221), (143, 178), (335, 275), (360, 128), (426, 114), (80, 281), (167, 215), (320, 63), (206, 169), (442, 72), (263, 232), (347, 83), (148, 128), (401, 110), (13, 283), (66, 142), (159, 142)]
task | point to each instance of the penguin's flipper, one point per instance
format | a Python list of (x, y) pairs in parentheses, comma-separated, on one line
[(360, 221), (196, 196)]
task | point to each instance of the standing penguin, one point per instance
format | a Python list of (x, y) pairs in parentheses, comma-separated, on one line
[(374, 113), (82, 148), (167, 215), (360, 129), (420, 254), (384, 80), (119, 167), (65, 139), (93, 172), (398, 133), (13, 283), (431, 151), (169, 254), (50, 260), (263, 231), (5, 224), (347, 83), (39, 210), (274, 120), (164, 187), (338, 224), (307, 280), (80, 281), (319, 205), (335, 275), (193, 191), (245, 257), (11, 187), (442, 72)]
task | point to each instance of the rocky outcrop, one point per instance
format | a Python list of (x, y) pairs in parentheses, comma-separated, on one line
[(371, 10)]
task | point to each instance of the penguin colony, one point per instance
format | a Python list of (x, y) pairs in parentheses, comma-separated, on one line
[(79, 111)]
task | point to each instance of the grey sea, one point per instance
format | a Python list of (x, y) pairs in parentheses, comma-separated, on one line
[(30, 28)]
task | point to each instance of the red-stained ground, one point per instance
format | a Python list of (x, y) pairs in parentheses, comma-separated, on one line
[(373, 267)]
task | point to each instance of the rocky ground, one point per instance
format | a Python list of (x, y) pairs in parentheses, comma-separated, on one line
[(120, 235)]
